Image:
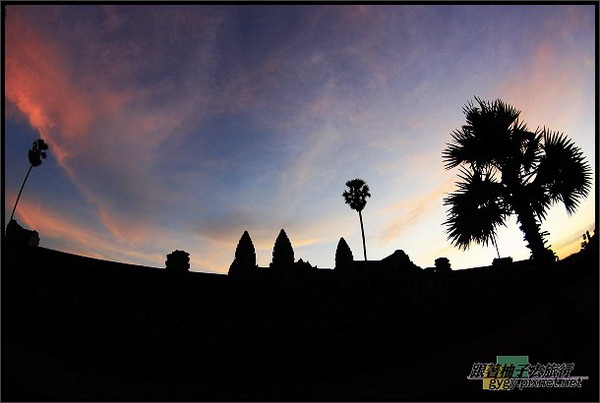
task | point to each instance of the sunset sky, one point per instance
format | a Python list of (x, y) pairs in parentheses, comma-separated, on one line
[(180, 127)]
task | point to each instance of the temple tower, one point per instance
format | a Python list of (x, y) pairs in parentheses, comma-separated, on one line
[(343, 255), (283, 254), (245, 256)]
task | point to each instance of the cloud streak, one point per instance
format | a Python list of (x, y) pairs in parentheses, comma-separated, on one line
[(184, 126), (105, 134), (413, 210)]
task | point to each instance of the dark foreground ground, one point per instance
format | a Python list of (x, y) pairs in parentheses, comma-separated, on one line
[(145, 338)]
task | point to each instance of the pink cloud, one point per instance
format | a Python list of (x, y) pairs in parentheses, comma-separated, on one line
[(62, 231), (549, 88), (76, 237), (97, 128), (39, 83), (33, 74)]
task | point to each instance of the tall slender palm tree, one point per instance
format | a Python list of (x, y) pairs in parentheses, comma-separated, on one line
[(506, 169), (35, 156), (356, 196)]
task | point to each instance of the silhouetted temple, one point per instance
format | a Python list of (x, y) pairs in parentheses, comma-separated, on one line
[(289, 319), (394, 277), (283, 253), (245, 256), (343, 255), (17, 236), (244, 263)]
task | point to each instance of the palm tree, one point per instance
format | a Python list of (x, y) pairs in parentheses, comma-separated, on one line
[(35, 156), (356, 196), (506, 169)]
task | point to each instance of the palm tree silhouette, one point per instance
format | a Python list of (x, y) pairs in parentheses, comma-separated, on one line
[(35, 156), (506, 169), (356, 196)]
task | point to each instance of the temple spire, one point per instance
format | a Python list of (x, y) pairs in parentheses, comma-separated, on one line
[(245, 256), (283, 253)]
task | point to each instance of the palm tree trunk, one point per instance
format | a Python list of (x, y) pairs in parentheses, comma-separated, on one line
[(496, 246), (362, 230), (531, 229), (528, 223), (20, 191)]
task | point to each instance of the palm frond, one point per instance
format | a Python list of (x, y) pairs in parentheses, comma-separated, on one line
[(36, 153), (467, 147), (537, 197), (563, 171), (530, 150), (486, 138), (356, 194), (476, 209)]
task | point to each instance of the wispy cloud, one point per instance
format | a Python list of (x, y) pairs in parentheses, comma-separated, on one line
[(550, 83), (78, 237), (105, 132), (181, 127), (413, 210)]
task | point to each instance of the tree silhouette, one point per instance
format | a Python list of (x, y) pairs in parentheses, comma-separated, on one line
[(178, 261), (356, 196), (506, 169), (35, 156), (283, 254)]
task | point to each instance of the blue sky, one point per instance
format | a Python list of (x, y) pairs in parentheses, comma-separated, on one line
[(179, 127)]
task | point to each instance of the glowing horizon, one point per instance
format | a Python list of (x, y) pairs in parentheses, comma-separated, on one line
[(180, 127)]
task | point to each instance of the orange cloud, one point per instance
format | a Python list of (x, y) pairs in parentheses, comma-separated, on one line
[(121, 227), (413, 209), (569, 247), (90, 129), (81, 238)]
